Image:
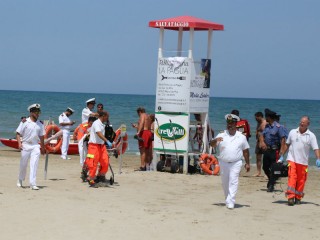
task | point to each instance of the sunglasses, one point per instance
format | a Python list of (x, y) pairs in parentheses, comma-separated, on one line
[(37, 111), (230, 120)]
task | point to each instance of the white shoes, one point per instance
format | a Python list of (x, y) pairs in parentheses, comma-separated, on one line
[(34, 187), (65, 158), (19, 183), (230, 206)]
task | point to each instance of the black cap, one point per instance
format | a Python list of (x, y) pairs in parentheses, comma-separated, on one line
[(235, 112), (269, 113)]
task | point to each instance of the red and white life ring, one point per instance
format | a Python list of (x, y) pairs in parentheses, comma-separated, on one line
[(117, 142), (209, 164), (51, 130)]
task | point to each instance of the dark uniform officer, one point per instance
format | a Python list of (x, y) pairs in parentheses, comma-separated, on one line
[(272, 140)]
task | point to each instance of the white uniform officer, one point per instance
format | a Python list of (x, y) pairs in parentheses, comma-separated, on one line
[(65, 123), (232, 145), (28, 135), (87, 111)]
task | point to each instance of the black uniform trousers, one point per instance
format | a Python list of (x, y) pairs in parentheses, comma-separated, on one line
[(269, 158)]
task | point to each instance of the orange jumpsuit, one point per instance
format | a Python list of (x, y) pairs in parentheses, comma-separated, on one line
[(97, 153), (297, 177), (81, 130)]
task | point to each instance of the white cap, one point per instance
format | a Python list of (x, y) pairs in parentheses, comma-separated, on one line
[(93, 100), (232, 117), (35, 105), (70, 110)]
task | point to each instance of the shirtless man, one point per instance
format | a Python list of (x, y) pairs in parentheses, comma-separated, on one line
[(144, 136), (261, 124)]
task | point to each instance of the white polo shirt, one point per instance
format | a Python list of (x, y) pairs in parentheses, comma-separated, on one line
[(31, 131), (63, 118), (300, 145), (85, 114), (232, 146), (97, 126)]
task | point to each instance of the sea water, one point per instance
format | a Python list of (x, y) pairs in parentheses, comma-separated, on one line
[(122, 110)]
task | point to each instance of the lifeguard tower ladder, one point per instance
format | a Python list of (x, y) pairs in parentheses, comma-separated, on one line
[(183, 90)]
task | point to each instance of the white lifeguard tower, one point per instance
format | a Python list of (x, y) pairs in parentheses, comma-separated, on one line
[(183, 90)]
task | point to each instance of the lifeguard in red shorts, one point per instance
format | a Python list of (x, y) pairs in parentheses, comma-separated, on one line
[(97, 151), (144, 136)]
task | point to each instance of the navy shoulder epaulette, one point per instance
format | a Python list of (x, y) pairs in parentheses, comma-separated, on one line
[(41, 121)]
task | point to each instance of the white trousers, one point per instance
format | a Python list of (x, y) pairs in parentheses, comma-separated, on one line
[(31, 152), (65, 143), (83, 150), (230, 180)]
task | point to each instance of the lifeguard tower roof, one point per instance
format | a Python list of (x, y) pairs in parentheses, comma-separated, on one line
[(185, 22)]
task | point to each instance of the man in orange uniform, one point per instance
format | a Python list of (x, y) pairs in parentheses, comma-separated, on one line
[(242, 125), (299, 142), (82, 136), (97, 151)]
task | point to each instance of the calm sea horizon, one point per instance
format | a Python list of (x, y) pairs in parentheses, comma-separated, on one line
[(122, 110)]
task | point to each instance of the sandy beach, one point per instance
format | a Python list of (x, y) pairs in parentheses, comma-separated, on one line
[(148, 205)]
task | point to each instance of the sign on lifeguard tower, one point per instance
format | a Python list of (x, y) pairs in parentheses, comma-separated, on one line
[(183, 86), (173, 84)]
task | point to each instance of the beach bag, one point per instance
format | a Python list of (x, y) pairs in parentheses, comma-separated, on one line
[(279, 170)]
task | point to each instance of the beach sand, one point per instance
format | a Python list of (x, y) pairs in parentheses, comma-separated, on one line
[(148, 205)]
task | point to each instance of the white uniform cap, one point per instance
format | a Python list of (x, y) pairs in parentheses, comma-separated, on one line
[(232, 117), (93, 100), (35, 105), (70, 110)]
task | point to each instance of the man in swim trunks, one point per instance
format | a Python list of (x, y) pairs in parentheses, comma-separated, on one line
[(261, 124), (144, 136)]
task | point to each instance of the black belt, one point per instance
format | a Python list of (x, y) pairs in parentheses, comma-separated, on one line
[(272, 147)]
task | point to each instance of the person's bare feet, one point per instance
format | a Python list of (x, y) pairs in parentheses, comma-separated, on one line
[(257, 175)]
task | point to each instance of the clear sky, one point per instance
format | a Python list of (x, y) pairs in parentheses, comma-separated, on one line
[(269, 49)]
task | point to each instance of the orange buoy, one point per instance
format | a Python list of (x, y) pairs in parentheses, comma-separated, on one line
[(76, 132), (117, 142), (209, 164), (51, 130)]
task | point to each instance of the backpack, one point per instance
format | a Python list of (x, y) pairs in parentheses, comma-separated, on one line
[(109, 133)]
